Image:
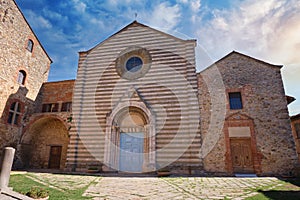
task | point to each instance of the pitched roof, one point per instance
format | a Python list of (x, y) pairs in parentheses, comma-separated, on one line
[(243, 55), (136, 23)]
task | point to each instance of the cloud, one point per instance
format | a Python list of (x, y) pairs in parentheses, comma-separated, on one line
[(165, 16), (264, 29), (37, 21), (79, 6), (268, 30), (195, 5)]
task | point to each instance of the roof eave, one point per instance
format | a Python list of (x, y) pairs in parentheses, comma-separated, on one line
[(33, 32)]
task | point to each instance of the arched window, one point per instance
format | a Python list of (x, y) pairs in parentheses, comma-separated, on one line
[(14, 113), (29, 45), (21, 77)]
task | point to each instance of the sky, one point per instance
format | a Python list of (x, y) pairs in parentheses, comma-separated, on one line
[(268, 30)]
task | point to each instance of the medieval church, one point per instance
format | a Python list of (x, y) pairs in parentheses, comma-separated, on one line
[(139, 106)]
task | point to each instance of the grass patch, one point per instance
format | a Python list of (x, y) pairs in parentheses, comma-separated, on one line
[(23, 184), (287, 189)]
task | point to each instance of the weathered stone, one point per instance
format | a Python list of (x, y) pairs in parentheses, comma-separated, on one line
[(6, 165), (14, 35)]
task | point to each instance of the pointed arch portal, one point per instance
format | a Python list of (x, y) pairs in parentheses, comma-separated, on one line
[(130, 139)]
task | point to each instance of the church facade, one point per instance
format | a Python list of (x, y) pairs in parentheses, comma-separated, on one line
[(139, 106)]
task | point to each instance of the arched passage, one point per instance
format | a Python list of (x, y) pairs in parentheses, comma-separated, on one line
[(44, 144)]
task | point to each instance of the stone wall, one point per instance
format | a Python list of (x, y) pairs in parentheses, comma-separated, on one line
[(58, 91), (46, 129), (14, 35), (166, 84), (295, 122), (264, 105), (55, 92)]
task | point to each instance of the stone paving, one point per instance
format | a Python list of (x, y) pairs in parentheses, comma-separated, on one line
[(138, 188), (177, 188)]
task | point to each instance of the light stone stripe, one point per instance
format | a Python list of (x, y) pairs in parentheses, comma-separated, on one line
[(97, 79)]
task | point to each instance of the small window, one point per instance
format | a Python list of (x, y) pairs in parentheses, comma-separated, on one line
[(297, 129), (235, 100), (50, 107), (66, 107), (29, 45), (14, 113), (21, 77), (134, 64)]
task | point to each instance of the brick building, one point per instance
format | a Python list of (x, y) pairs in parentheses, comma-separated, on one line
[(138, 105)]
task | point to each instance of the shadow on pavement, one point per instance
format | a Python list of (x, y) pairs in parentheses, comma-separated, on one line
[(279, 195)]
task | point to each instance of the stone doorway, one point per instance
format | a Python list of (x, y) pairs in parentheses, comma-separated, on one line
[(241, 155), (130, 141), (55, 157)]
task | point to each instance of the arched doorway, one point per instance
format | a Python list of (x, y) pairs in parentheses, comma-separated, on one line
[(130, 140), (44, 144), (132, 129)]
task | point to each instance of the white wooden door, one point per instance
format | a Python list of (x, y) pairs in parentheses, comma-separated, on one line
[(131, 152)]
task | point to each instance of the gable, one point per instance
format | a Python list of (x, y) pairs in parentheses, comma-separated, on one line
[(135, 31), (31, 30), (239, 58)]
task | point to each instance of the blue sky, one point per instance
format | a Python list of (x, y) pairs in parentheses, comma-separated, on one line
[(268, 30)]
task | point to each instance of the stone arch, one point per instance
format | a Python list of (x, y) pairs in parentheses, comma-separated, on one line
[(44, 143), (130, 117)]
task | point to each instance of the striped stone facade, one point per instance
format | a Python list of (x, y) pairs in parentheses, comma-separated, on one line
[(165, 91)]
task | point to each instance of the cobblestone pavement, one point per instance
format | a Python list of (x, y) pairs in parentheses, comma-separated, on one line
[(140, 188), (177, 188)]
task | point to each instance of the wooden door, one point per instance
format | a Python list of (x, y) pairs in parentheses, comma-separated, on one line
[(241, 155), (131, 152), (55, 157)]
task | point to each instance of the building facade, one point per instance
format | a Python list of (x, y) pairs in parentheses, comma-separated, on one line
[(296, 132), (138, 106), (250, 100), (24, 66)]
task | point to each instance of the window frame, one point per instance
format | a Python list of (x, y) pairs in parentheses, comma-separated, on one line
[(50, 107), (29, 45), (15, 113), (66, 107), (131, 64), (24, 76), (235, 105)]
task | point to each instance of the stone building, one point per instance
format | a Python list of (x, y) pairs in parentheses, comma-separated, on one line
[(246, 115), (135, 94), (44, 141), (24, 66), (138, 105), (296, 132)]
